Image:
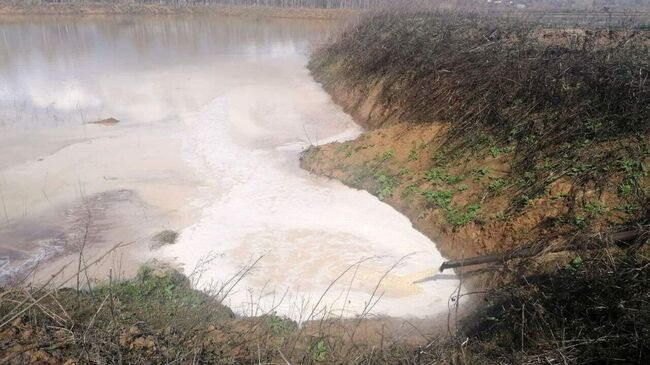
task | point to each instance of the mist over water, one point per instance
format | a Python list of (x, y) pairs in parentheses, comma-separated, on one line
[(214, 113)]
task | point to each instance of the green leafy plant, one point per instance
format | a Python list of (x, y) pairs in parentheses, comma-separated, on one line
[(440, 158), (461, 217), (631, 166), (580, 221), (436, 174), (410, 191), (628, 208), (594, 208), (498, 151), (625, 189), (386, 185), (496, 185), (388, 154), (575, 265), (440, 199), (483, 171), (319, 351)]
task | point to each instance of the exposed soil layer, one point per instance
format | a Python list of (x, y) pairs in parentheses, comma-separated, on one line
[(492, 136)]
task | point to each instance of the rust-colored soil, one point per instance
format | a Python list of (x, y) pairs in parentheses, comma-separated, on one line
[(408, 151)]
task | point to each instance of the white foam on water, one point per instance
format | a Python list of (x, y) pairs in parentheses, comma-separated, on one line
[(307, 230), (237, 95)]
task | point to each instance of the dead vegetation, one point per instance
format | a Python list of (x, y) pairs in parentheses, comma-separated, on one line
[(554, 133), (492, 135), (554, 102), (160, 318), (538, 114), (593, 309)]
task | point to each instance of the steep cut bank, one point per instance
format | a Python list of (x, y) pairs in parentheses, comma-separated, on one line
[(491, 136)]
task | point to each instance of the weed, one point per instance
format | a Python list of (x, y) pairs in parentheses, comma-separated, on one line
[(410, 191), (484, 171), (456, 217), (386, 184), (280, 327), (440, 159), (580, 169), (413, 152), (524, 200), (440, 199), (594, 208), (575, 264), (631, 166), (625, 189), (319, 351), (436, 174), (388, 154), (628, 208), (579, 221), (404, 171), (564, 122), (461, 217), (496, 185), (495, 152)]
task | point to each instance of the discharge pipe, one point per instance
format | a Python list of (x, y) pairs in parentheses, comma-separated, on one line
[(618, 237)]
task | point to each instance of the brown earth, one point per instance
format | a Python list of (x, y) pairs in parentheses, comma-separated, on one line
[(407, 151)]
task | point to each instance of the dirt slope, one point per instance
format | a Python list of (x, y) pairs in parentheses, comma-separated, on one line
[(492, 136)]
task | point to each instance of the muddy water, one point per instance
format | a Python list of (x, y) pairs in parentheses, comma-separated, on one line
[(213, 113)]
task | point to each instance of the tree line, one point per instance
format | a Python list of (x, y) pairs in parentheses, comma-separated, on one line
[(369, 4), (323, 4)]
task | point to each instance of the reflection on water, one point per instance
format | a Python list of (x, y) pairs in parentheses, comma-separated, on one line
[(213, 115), (56, 70)]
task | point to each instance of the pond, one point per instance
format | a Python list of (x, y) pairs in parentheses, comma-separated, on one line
[(213, 115)]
